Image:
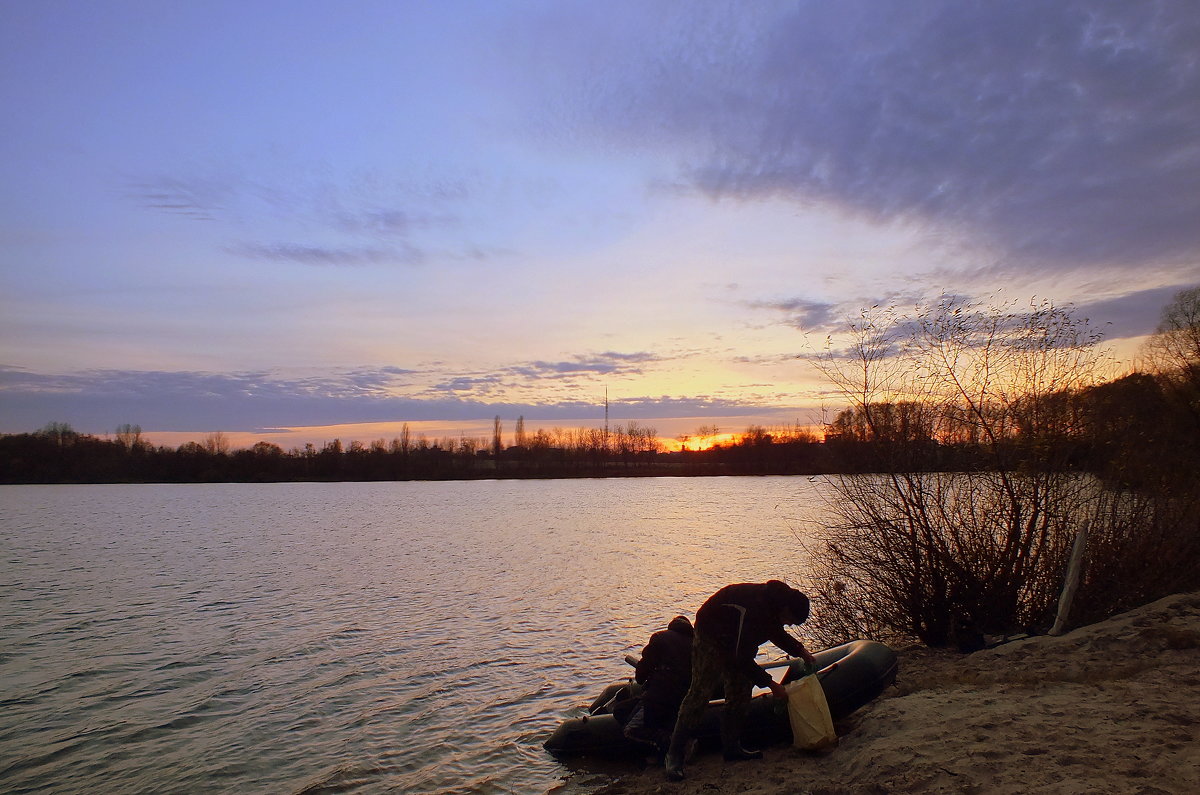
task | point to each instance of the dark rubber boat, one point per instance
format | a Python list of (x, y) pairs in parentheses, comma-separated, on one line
[(852, 675)]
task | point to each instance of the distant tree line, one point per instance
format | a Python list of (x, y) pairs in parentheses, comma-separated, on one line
[(1127, 431), (59, 454), (1122, 430)]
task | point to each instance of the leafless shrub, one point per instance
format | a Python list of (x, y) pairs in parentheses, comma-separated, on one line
[(941, 556), (1142, 545)]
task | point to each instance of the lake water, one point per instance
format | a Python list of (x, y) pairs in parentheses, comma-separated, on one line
[(348, 637)]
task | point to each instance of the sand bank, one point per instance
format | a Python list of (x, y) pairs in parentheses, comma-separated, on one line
[(1109, 708)]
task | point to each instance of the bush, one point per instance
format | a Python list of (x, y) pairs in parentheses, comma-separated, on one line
[(944, 556)]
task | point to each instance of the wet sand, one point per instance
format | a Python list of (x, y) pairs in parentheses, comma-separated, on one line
[(1109, 708)]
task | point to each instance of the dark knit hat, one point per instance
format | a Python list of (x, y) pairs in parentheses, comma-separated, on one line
[(788, 597), (681, 624)]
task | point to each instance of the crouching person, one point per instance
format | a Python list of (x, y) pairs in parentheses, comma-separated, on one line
[(665, 671), (730, 627)]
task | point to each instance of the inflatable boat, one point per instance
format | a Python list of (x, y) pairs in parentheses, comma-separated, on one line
[(852, 675)]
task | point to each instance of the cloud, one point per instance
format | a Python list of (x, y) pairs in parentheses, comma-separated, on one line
[(322, 256), (200, 200), (540, 373), (609, 363), (386, 222), (802, 314), (98, 401), (380, 222), (1129, 316), (1133, 315), (359, 218), (664, 406), (469, 383), (1059, 133)]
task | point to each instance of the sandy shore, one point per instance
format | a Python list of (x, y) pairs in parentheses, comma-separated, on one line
[(1109, 708)]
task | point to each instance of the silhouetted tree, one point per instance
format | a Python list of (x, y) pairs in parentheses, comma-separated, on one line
[(519, 439), (1173, 351), (913, 550), (61, 434), (217, 443), (129, 436)]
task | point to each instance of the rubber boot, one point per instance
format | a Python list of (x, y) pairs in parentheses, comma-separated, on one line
[(731, 739), (676, 755), (740, 754)]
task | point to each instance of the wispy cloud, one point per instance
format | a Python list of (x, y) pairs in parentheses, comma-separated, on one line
[(801, 313), (1125, 317), (98, 401), (201, 200), (385, 222), (471, 384), (361, 219), (362, 381), (330, 255), (1133, 315), (101, 399), (540, 374), (609, 363)]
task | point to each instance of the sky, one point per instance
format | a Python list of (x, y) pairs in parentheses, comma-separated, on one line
[(292, 221)]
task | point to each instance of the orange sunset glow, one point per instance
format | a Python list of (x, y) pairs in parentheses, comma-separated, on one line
[(513, 216)]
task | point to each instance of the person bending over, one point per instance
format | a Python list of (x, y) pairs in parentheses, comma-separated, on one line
[(730, 626)]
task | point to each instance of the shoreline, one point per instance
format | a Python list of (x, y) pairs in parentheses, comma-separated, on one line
[(1112, 707)]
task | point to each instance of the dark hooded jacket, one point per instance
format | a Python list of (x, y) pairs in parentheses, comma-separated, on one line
[(740, 618), (666, 665)]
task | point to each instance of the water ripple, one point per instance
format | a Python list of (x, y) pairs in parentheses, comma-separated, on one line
[(328, 638)]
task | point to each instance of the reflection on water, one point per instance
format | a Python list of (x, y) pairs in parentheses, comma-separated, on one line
[(346, 637)]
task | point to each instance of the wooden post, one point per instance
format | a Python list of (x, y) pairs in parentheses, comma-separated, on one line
[(1074, 569)]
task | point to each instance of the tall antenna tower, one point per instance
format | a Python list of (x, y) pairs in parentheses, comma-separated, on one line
[(606, 413)]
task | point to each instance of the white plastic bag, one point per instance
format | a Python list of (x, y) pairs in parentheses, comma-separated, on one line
[(808, 712)]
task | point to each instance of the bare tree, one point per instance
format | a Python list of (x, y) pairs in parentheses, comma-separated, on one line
[(402, 444), (60, 433), (217, 443), (1173, 351), (129, 436), (519, 438), (267, 450), (469, 446), (924, 554)]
